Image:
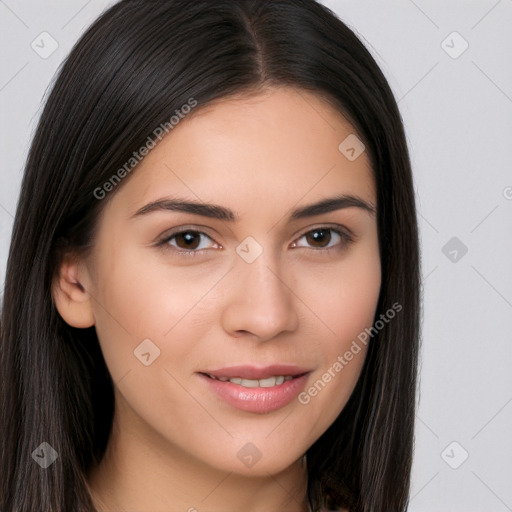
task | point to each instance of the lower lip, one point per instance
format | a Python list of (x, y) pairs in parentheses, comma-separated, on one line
[(259, 400)]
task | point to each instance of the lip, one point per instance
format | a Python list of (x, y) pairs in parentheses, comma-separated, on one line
[(256, 400)]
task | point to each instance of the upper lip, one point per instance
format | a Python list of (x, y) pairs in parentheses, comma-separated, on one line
[(257, 372)]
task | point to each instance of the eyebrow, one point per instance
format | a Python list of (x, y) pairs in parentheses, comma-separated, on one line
[(214, 211)]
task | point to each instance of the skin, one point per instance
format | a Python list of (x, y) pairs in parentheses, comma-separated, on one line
[(174, 441)]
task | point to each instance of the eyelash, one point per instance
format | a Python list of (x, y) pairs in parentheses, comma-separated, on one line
[(346, 239)]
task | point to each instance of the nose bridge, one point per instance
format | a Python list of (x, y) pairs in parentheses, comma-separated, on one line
[(262, 275)]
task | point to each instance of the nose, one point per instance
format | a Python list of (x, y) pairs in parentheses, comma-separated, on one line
[(259, 300)]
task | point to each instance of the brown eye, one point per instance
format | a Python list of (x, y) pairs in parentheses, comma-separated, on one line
[(318, 237), (324, 238), (188, 239)]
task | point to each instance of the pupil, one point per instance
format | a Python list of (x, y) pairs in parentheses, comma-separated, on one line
[(188, 237), (320, 235)]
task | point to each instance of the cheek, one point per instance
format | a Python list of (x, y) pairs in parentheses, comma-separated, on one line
[(346, 307), (138, 299), (344, 297)]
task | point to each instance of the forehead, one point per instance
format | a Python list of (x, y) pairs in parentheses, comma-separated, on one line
[(268, 149)]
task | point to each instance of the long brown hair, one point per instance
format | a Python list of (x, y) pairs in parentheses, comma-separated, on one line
[(138, 63)]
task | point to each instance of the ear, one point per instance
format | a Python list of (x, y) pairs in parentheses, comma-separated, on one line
[(72, 300)]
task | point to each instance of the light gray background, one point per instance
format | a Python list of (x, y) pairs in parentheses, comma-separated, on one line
[(457, 110)]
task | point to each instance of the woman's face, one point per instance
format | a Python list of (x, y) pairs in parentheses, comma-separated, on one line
[(249, 291)]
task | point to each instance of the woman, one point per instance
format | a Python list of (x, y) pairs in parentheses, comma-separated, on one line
[(212, 292)]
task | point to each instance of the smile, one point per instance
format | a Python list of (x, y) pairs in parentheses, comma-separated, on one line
[(256, 389)]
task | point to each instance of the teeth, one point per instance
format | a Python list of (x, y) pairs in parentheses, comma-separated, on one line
[(257, 383), (270, 381)]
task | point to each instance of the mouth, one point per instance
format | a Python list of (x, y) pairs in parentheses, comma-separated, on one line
[(256, 389)]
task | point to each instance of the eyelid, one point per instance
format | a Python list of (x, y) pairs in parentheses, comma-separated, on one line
[(333, 226)]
